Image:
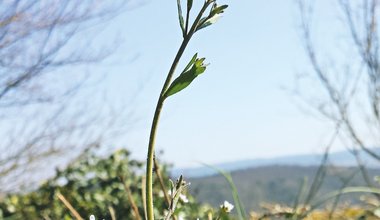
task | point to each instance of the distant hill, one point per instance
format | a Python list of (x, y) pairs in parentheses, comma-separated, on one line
[(341, 158), (273, 184)]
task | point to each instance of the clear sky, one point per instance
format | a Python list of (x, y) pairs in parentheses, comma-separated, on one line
[(238, 109)]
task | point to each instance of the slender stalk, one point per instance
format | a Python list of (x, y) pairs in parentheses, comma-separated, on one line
[(152, 137), (161, 181), (162, 184), (143, 195), (160, 102), (134, 207), (112, 212), (69, 206)]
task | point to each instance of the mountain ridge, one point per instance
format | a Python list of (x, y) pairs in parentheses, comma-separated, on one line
[(339, 158), (278, 184)]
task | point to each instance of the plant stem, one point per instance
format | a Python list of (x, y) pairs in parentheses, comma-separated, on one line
[(161, 180), (152, 137), (162, 184), (156, 117), (134, 207), (74, 212)]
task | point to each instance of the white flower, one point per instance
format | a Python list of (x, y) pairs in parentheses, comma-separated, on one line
[(92, 217), (226, 207), (183, 198)]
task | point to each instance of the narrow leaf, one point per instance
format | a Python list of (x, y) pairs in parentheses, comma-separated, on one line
[(180, 17), (213, 17), (186, 77), (189, 5), (209, 22), (218, 10), (201, 21), (333, 194), (192, 61)]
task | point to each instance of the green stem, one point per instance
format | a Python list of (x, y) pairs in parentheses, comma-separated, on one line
[(156, 117), (149, 168)]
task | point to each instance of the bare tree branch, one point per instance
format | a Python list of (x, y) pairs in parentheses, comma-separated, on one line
[(42, 119)]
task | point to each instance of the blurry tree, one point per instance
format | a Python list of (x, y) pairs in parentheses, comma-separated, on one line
[(44, 47), (107, 187), (343, 84)]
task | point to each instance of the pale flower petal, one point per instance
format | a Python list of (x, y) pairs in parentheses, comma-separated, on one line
[(183, 198), (227, 207)]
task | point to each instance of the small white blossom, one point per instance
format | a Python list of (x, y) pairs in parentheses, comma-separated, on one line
[(226, 207), (92, 217), (183, 198)]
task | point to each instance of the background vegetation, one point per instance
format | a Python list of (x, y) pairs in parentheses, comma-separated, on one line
[(103, 186), (37, 39)]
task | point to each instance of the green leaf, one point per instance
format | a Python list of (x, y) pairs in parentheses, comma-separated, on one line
[(354, 189), (208, 22), (192, 61), (180, 17), (201, 21), (218, 10), (212, 17), (191, 71), (189, 5)]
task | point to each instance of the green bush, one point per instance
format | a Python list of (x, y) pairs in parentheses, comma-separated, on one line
[(93, 185)]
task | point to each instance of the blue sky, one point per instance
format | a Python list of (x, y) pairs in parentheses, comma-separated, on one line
[(238, 109)]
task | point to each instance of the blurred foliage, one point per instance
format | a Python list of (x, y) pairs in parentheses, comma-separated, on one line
[(344, 212), (92, 185)]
